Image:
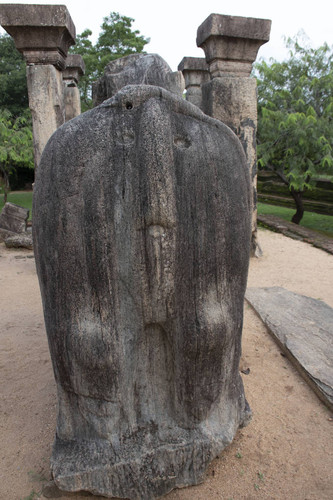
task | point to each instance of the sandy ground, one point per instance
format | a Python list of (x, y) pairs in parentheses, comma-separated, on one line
[(285, 453)]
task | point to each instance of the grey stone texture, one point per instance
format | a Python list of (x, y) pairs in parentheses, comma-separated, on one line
[(303, 328), (4, 233), (137, 69), (196, 73), (141, 237), (231, 45), (14, 218), (43, 34), (23, 240)]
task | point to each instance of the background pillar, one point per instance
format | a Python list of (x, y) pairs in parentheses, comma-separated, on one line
[(231, 45), (43, 34), (196, 73), (75, 68)]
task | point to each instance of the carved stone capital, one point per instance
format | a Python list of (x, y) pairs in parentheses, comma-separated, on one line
[(75, 68), (195, 71), (231, 43), (42, 33)]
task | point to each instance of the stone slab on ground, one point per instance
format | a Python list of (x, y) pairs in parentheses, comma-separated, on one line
[(297, 232), (303, 328), (14, 218), (23, 240)]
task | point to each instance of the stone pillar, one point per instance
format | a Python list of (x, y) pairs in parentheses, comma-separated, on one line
[(43, 34), (231, 45), (196, 74), (75, 68)]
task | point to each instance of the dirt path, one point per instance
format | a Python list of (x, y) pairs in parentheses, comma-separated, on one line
[(285, 453)]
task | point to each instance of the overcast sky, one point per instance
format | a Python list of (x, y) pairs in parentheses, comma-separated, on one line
[(172, 25)]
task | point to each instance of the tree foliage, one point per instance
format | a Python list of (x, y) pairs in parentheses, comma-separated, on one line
[(13, 82), (16, 148), (295, 117), (116, 39)]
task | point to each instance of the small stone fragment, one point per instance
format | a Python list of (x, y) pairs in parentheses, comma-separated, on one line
[(14, 218), (23, 240)]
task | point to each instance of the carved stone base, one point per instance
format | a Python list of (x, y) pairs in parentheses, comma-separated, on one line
[(145, 465)]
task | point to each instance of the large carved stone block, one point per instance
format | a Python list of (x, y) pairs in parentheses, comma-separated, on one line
[(142, 236)]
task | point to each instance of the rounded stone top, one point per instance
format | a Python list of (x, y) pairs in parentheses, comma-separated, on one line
[(135, 69)]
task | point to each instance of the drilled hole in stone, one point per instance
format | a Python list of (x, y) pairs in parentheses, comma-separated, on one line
[(129, 105), (182, 142)]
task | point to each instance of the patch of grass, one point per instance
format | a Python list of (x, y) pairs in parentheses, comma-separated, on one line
[(318, 222), (261, 476), (22, 198), (32, 495), (36, 476)]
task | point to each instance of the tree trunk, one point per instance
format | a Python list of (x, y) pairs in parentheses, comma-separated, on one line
[(298, 198), (6, 187)]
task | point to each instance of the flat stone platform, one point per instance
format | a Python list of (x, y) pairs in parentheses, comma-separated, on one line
[(303, 328)]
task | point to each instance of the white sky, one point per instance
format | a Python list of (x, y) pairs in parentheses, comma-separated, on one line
[(172, 25)]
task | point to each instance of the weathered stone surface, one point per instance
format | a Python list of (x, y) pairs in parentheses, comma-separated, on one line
[(45, 88), (23, 240), (233, 100), (196, 73), (136, 69), (4, 233), (43, 33), (303, 328), (14, 218), (142, 231), (72, 101)]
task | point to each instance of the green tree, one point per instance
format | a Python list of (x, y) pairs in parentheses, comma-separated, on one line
[(295, 122), (13, 83), (16, 147), (117, 39)]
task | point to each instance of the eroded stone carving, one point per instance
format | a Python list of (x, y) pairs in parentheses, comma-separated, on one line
[(142, 236), (137, 69)]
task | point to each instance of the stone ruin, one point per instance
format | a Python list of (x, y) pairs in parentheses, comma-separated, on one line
[(142, 233), (142, 228), (137, 69)]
